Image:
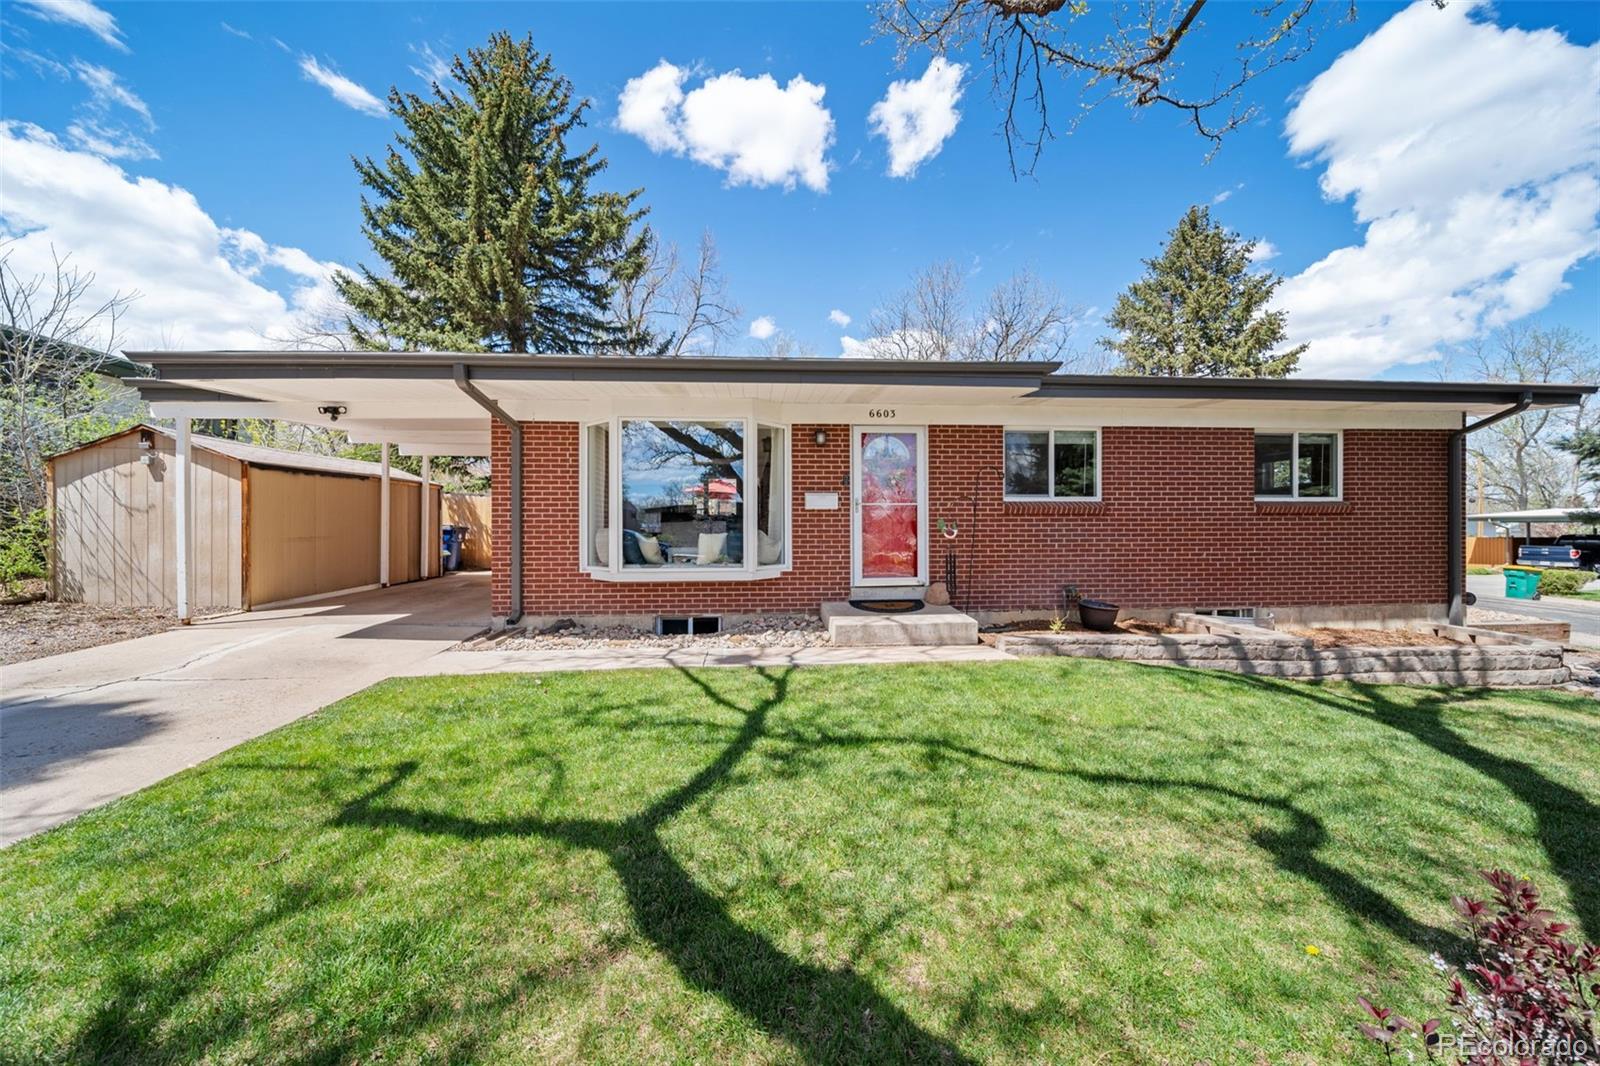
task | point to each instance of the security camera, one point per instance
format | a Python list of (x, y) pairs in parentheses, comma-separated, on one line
[(332, 410)]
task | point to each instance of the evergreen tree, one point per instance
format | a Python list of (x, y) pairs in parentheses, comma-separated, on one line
[(493, 237), (1199, 310)]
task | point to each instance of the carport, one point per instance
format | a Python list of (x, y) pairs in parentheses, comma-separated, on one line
[(419, 406)]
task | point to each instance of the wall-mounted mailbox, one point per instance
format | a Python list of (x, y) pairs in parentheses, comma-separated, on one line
[(822, 501)]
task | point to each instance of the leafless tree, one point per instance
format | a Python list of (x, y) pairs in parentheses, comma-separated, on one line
[(673, 308), (55, 333), (1517, 461), (1021, 318), (1122, 49)]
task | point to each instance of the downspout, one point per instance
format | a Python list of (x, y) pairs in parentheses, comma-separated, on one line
[(1458, 504), (464, 383)]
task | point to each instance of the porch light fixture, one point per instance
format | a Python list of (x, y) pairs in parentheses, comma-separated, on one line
[(332, 410), (820, 436)]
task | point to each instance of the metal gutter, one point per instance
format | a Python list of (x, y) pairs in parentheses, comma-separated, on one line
[(463, 379), (1456, 510), (491, 367), (1114, 386)]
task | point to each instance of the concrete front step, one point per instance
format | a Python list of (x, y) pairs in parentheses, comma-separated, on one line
[(888, 592), (850, 627)]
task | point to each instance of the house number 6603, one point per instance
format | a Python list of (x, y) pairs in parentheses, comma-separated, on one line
[(881, 412)]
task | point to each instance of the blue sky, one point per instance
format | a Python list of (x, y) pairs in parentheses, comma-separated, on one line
[(209, 118)]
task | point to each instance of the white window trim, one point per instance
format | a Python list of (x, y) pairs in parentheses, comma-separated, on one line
[(1294, 467), (1050, 464), (751, 570)]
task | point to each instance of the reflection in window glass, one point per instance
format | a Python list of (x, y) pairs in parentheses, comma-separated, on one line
[(683, 493), (1075, 462), (1319, 464), (1027, 463), (773, 506), (1274, 464)]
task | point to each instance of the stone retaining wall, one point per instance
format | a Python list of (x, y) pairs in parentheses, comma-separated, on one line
[(1479, 657)]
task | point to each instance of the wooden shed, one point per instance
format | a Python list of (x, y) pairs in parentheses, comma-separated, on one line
[(266, 526)]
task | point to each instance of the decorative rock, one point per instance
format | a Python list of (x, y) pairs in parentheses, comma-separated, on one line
[(938, 595)]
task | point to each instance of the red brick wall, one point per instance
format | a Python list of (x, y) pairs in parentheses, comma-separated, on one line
[(1178, 527)]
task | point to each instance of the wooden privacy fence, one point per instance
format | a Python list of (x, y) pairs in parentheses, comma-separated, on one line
[(1490, 551), (471, 513)]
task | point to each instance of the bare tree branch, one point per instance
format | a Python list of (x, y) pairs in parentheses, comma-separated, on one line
[(55, 335), (1131, 54)]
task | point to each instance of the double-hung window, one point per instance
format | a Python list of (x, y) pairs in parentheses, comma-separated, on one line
[(1298, 466), (1052, 464), (684, 498)]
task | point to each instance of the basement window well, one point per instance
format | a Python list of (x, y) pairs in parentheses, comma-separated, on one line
[(687, 625)]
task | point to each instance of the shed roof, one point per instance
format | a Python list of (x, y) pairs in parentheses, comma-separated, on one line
[(256, 455)]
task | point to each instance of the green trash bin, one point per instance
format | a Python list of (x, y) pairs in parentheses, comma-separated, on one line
[(1522, 584)]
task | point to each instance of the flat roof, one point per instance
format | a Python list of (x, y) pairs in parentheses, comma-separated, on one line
[(257, 455), (1041, 378), (1577, 515)]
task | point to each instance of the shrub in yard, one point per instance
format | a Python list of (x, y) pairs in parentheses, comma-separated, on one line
[(22, 549), (1529, 997), (1563, 582)]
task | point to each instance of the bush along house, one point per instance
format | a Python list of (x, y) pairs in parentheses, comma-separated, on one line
[(643, 489)]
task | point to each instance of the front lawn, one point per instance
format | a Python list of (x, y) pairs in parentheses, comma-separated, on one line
[(1066, 861)]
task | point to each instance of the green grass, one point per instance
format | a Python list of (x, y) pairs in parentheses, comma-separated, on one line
[(1577, 595), (1061, 861), (1481, 570)]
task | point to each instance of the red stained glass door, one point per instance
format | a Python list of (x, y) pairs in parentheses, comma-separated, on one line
[(888, 506)]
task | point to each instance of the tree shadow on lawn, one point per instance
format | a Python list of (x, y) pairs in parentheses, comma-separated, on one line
[(829, 1015), (1568, 823)]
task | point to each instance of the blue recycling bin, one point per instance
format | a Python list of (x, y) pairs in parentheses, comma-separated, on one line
[(452, 548)]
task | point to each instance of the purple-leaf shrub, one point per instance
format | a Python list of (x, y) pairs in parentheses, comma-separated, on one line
[(1528, 998)]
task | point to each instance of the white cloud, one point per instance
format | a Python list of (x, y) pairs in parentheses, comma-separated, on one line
[(343, 89), (892, 345), (200, 284), (1471, 152), (79, 13), (1263, 251), (916, 117), (838, 318), (650, 107), (753, 130), (236, 31), (106, 91), (113, 142), (763, 328), (434, 69)]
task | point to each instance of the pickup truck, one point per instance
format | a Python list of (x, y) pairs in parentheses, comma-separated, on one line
[(1569, 551)]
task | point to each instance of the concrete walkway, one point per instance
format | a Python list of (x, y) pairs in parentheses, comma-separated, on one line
[(81, 729)]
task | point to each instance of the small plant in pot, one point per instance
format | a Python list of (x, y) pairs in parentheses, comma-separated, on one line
[(1098, 615)]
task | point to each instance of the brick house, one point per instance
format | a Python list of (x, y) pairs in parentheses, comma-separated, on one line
[(638, 488)]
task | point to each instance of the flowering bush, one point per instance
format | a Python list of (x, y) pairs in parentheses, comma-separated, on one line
[(1529, 997)]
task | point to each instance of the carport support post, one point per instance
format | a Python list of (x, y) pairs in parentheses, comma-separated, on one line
[(422, 540), (383, 518), (1456, 506), (182, 543)]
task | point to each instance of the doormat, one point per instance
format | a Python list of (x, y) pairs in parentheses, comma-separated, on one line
[(887, 606)]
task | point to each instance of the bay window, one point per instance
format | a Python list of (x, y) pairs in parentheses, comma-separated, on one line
[(681, 498), (1298, 466), (1052, 464)]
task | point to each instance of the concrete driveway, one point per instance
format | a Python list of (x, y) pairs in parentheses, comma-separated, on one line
[(81, 729), (1582, 615)]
